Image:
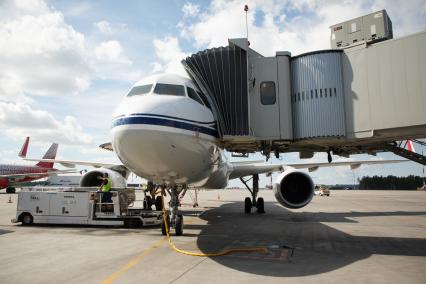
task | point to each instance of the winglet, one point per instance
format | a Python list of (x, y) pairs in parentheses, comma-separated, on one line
[(50, 154), (410, 146), (23, 152)]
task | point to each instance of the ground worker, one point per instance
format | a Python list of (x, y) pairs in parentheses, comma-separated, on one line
[(105, 188)]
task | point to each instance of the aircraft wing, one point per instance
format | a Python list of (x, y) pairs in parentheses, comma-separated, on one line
[(246, 168), (14, 176), (353, 164), (242, 169), (72, 163)]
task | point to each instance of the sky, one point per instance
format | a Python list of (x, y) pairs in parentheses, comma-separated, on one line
[(65, 65)]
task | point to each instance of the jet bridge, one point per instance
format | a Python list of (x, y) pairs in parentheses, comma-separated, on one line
[(360, 99)]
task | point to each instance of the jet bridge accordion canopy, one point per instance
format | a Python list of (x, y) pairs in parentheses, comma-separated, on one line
[(221, 73)]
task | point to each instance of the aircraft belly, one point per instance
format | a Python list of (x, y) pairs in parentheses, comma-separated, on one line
[(180, 156)]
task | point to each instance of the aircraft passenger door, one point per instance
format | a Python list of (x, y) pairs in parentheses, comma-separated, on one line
[(264, 105)]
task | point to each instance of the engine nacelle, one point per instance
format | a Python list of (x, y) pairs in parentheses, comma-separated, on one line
[(294, 189), (91, 178)]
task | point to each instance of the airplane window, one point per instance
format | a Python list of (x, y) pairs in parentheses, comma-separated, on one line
[(140, 90), (169, 89), (193, 95), (205, 101)]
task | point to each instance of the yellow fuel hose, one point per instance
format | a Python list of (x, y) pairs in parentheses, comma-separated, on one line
[(224, 252)]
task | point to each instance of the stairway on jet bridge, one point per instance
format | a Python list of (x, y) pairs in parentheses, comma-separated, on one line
[(358, 99)]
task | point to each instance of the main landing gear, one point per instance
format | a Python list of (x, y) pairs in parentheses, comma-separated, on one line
[(252, 202), (176, 218)]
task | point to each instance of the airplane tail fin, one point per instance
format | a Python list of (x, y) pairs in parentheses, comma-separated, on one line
[(410, 146), (50, 154), (23, 152)]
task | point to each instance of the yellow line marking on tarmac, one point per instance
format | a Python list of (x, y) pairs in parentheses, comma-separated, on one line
[(133, 262)]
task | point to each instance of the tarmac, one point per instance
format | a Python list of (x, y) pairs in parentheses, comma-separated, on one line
[(349, 237)]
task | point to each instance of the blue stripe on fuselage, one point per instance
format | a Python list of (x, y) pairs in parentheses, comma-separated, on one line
[(211, 123), (164, 122)]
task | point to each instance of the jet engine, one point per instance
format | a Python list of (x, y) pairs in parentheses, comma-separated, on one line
[(294, 189), (91, 178)]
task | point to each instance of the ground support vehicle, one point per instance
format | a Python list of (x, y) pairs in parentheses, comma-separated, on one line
[(82, 206)]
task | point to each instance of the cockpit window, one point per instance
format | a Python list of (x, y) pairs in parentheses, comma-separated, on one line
[(169, 89), (193, 95), (205, 101), (140, 90)]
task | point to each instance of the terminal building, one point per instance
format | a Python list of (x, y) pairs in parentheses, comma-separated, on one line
[(361, 96)]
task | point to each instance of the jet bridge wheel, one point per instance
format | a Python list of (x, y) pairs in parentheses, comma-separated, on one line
[(247, 205), (179, 225)]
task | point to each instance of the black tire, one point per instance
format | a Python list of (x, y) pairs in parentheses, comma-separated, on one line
[(158, 203), (10, 190), (163, 226), (179, 225), (260, 205), (147, 202), (247, 205), (27, 219)]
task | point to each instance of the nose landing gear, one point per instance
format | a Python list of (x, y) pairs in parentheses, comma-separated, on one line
[(153, 198), (254, 201), (176, 218)]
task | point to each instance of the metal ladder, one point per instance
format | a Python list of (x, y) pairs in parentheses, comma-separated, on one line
[(399, 149)]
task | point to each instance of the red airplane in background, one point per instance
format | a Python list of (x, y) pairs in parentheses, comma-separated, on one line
[(12, 175)]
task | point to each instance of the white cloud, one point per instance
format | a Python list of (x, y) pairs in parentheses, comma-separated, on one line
[(12, 9), (170, 53), (22, 120), (157, 67), (104, 27), (110, 63), (111, 51), (40, 54), (190, 9)]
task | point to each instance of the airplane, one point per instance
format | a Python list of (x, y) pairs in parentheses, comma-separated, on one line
[(12, 175), (164, 131)]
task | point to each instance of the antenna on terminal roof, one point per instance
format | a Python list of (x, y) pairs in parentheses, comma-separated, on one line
[(246, 8)]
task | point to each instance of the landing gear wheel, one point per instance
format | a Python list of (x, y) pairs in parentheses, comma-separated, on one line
[(158, 203), (10, 189), (27, 219), (260, 204), (247, 205), (163, 225), (147, 202), (179, 225)]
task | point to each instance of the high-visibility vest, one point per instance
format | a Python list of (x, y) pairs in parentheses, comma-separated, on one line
[(106, 187)]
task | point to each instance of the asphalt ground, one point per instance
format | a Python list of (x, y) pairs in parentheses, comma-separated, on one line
[(349, 237)]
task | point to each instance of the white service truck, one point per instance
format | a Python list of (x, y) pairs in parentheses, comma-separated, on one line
[(82, 206)]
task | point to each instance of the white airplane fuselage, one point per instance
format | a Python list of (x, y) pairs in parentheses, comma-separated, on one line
[(168, 138)]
